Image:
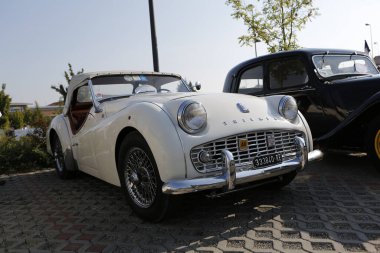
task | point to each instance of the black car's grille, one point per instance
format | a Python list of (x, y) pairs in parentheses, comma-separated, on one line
[(257, 146)]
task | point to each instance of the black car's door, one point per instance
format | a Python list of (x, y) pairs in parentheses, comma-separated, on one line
[(291, 76)]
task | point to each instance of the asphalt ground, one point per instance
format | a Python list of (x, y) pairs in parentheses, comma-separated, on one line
[(332, 206)]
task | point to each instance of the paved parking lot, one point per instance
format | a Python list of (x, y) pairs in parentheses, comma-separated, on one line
[(334, 206)]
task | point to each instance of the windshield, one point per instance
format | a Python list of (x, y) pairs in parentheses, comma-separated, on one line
[(343, 65), (106, 87)]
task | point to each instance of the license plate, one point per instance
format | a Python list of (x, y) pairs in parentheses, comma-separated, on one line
[(267, 160)]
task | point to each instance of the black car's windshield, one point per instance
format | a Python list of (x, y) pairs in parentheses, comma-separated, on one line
[(107, 87), (342, 66)]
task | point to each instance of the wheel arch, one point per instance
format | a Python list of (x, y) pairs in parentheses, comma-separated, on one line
[(159, 132), (124, 132), (52, 134)]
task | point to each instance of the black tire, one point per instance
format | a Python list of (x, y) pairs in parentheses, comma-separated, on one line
[(59, 160), (140, 179), (373, 142)]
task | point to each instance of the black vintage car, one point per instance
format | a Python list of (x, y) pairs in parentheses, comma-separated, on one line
[(338, 91)]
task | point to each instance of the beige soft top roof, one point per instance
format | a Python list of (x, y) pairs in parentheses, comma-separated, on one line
[(77, 79)]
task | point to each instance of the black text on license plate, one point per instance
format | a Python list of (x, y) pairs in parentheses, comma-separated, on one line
[(267, 160)]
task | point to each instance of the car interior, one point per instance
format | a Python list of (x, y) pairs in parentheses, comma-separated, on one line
[(80, 107)]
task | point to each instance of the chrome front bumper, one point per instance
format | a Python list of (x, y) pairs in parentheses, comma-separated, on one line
[(230, 177)]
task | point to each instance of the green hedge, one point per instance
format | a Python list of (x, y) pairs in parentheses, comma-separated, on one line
[(26, 154)]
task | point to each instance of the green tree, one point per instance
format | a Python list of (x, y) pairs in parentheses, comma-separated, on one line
[(16, 119), (28, 114), (60, 88), (5, 103), (274, 22)]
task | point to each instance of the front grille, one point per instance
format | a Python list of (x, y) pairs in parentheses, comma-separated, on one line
[(257, 146)]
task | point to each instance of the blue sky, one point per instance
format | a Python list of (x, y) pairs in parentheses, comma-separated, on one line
[(196, 39)]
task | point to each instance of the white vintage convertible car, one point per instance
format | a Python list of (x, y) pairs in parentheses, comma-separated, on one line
[(148, 133)]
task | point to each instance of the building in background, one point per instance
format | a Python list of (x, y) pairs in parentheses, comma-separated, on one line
[(18, 107), (49, 110)]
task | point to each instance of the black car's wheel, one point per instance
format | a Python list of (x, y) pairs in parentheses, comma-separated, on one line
[(59, 160), (140, 179), (373, 142)]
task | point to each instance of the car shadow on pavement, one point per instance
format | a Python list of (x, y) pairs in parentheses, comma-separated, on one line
[(334, 205)]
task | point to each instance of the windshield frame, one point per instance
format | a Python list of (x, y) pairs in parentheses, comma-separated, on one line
[(369, 64), (97, 100)]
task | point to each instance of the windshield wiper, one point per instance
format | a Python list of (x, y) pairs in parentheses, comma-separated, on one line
[(145, 91), (112, 98)]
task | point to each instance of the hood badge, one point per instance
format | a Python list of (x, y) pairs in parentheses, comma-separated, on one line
[(242, 108), (243, 144)]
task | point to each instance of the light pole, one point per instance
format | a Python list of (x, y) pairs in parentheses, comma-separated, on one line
[(153, 37), (256, 41), (370, 31)]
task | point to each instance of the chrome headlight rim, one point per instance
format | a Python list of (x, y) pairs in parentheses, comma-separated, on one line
[(283, 107), (182, 119)]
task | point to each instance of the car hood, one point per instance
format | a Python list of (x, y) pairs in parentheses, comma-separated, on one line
[(223, 113), (117, 105)]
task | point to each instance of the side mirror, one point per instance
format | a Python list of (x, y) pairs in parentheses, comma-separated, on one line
[(197, 85)]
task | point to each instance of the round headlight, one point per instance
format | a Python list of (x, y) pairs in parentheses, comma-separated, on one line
[(192, 117), (288, 108)]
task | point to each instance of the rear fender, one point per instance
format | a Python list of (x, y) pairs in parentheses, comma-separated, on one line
[(58, 128), (370, 105)]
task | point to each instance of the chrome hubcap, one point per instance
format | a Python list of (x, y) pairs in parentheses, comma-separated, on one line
[(135, 178), (140, 178)]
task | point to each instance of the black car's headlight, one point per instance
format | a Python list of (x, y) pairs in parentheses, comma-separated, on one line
[(192, 117), (288, 108)]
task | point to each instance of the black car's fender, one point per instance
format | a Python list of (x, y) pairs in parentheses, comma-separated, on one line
[(370, 107)]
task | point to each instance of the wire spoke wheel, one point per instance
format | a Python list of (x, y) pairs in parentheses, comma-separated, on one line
[(377, 144), (373, 142), (60, 160), (58, 156), (140, 178)]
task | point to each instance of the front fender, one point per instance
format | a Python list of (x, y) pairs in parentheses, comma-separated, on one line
[(58, 127), (309, 136), (155, 125), (367, 106)]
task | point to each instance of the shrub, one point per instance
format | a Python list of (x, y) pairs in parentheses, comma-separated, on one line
[(27, 153), (16, 119)]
